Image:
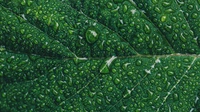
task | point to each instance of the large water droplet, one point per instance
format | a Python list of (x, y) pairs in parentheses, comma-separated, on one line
[(163, 18), (92, 35)]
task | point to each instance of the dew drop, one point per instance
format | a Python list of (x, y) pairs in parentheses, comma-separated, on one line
[(159, 88), (99, 101), (163, 18), (174, 19), (92, 35), (110, 89), (192, 74), (170, 73), (130, 73), (190, 7), (157, 10), (3, 95), (184, 26), (165, 4), (147, 29), (194, 15), (125, 8), (109, 5), (116, 81), (22, 31), (138, 62), (175, 97), (169, 10)]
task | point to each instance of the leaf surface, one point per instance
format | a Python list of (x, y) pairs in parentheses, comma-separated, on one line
[(108, 55)]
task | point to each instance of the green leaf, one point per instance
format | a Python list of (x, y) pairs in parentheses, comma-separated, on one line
[(99, 56)]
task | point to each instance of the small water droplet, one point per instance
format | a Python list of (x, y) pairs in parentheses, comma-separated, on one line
[(130, 73), (125, 8), (157, 10), (99, 101), (109, 5), (138, 62), (165, 4), (22, 31), (147, 29), (184, 26), (116, 81), (175, 96), (190, 7), (110, 89), (170, 73), (159, 88), (194, 15), (169, 10)]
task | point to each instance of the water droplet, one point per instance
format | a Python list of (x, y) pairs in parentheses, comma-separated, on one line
[(157, 10), (192, 74), (109, 5), (138, 62), (174, 19), (169, 10), (114, 70), (99, 101), (91, 94), (29, 35), (184, 26), (165, 4), (23, 2), (130, 73), (22, 31), (190, 7), (186, 60), (125, 8), (175, 96), (159, 88), (91, 35), (55, 92), (170, 73), (183, 46), (158, 75), (147, 29), (116, 81), (140, 40), (178, 65), (110, 89), (55, 27), (4, 95), (163, 18), (168, 28), (194, 15)]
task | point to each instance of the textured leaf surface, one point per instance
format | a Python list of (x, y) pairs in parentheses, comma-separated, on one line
[(96, 56)]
